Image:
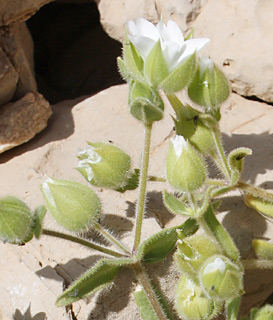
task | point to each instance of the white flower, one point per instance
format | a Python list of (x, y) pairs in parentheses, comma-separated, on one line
[(204, 63), (217, 265), (144, 35), (179, 143)]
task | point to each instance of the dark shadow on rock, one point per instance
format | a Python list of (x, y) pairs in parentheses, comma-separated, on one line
[(154, 209), (27, 315), (243, 224), (60, 126), (262, 158)]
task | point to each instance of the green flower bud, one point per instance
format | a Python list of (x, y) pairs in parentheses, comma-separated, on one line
[(104, 165), (145, 102), (185, 167), (16, 221), (264, 313), (193, 251), (221, 278), (74, 206), (192, 303), (209, 87)]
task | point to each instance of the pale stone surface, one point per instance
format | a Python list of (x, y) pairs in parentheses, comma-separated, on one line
[(22, 120), (241, 34), (16, 42), (105, 117), (18, 10), (8, 79)]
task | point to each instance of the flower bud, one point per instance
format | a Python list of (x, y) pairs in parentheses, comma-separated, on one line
[(185, 167), (209, 87), (145, 102), (264, 313), (193, 251), (16, 221), (221, 278), (74, 206), (192, 303), (104, 165)]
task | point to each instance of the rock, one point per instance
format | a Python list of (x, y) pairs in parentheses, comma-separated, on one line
[(241, 36), (8, 79), (22, 120), (105, 117), (17, 10), (115, 14), (16, 42)]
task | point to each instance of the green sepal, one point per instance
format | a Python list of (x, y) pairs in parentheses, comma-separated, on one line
[(132, 60), (232, 308), (96, 278), (145, 102), (132, 182), (176, 206), (236, 161), (158, 246), (220, 234), (155, 66), (123, 70), (38, 218), (263, 249), (180, 76), (190, 35)]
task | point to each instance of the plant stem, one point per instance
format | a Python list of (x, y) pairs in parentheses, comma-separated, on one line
[(142, 185), (255, 191), (257, 264), (145, 282), (111, 238), (222, 160), (81, 241)]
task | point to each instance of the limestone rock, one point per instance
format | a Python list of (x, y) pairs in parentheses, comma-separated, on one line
[(16, 42), (115, 14), (105, 117), (8, 79), (18, 10), (241, 36), (22, 120)]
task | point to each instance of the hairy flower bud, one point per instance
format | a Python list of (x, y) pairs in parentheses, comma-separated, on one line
[(264, 313), (74, 206), (185, 167), (209, 87), (221, 278), (104, 165), (16, 221)]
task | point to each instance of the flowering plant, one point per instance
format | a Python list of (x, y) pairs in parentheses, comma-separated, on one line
[(157, 62)]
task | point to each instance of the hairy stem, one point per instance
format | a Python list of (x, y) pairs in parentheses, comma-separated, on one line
[(145, 282), (111, 238), (81, 241), (221, 160), (142, 185)]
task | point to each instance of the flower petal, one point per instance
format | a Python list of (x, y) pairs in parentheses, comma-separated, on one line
[(172, 52), (143, 44), (195, 45), (146, 29), (175, 32)]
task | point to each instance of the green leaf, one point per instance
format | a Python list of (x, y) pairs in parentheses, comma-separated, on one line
[(38, 218), (175, 206), (155, 66), (220, 234), (232, 308), (259, 204), (180, 76), (158, 246), (93, 280), (263, 249)]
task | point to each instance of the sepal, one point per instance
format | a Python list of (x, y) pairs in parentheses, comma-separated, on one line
[(259, 204), (236, 161), (176, 206)]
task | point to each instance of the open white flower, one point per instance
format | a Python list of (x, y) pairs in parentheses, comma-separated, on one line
[(144, 35)]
